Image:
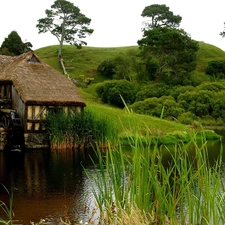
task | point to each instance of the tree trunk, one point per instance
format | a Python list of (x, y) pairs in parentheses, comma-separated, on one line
[(61, 59), (60, 51)]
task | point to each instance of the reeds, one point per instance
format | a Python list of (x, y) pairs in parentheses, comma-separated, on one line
[(185, 189), (7, 209), (73, 130)]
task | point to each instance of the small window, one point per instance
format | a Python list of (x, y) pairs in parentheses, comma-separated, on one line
[(33, 59)]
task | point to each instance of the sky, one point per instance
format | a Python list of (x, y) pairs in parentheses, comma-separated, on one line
[(116, 23)]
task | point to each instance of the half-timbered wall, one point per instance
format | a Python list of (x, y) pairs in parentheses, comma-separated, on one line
[(35, 116)]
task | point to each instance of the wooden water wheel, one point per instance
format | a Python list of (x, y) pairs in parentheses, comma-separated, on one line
[(11, 124), (6, 122)]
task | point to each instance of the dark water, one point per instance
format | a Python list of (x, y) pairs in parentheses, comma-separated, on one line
[(49, 185), (46, 185)]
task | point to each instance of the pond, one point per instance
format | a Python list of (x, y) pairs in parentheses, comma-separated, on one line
[(52, 184), (46, 185)]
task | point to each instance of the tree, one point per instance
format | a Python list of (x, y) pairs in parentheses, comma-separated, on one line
[(122, 67), (106, 68), (174, 49), (66, 23), (160, 16), (216, 69), (13, 45)]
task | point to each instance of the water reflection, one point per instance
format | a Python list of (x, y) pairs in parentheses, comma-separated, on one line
[(45, 184), (52, 184)]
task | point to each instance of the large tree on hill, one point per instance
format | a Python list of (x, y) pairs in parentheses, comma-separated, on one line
[(174, 50), (66, 23), (13, 45), (159, 16), (168, 52)]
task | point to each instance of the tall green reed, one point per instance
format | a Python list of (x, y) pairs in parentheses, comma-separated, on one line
[(7, 209), (75, 130), (186, 188)]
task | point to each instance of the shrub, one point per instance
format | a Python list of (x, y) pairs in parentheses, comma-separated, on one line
[(171, 108), (111, 92), (154, 107), (216, 69), (181, 89), (211, 86), (106, 69), (153, 90), (187, 118), (150, 106), (197, 78)]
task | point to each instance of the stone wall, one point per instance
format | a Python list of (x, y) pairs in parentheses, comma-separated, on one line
[(3, 139), (36, 140)]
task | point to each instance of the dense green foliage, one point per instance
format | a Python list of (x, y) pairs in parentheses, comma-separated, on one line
[(160, 16), (106, 69), (85, 61), (175, 52), (13, 45), (202, 102), (113, 91), (216, 69)]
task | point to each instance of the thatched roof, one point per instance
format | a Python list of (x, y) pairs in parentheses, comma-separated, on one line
[(38, 83)]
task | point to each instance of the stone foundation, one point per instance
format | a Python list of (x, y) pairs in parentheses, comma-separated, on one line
[(3, 139), (36, 140)]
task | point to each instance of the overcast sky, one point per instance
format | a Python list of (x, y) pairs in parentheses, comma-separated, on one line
[(115, 22)]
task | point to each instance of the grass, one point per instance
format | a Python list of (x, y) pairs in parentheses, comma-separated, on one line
[(185, 190), (75, 130), (7, 209), (85, 61), (69, 132), (206, 54)]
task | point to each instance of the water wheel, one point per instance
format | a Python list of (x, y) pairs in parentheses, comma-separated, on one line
[(6, 122), (11, 124)]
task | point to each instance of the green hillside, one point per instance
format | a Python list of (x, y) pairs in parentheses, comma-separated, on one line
[(80, 61), (85, 62), (207, 53)]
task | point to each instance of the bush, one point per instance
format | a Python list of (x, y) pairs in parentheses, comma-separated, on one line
[(150, 106), (197, 78), (171, 108), (106, 69), (153, 90), (187, 118), (211, 86), (154, 106), (216, 69), (181, 89), (112, 91)]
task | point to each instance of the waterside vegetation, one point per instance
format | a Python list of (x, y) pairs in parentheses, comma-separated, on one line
[(181, 189), (184, 107)]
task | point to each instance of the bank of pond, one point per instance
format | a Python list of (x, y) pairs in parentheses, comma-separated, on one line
[(73, 130), (137, 179)]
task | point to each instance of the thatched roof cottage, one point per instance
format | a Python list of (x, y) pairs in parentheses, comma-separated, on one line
[(30, 87)]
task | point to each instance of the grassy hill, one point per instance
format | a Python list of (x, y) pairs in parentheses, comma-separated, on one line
[(85, 62), (80, 61)]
